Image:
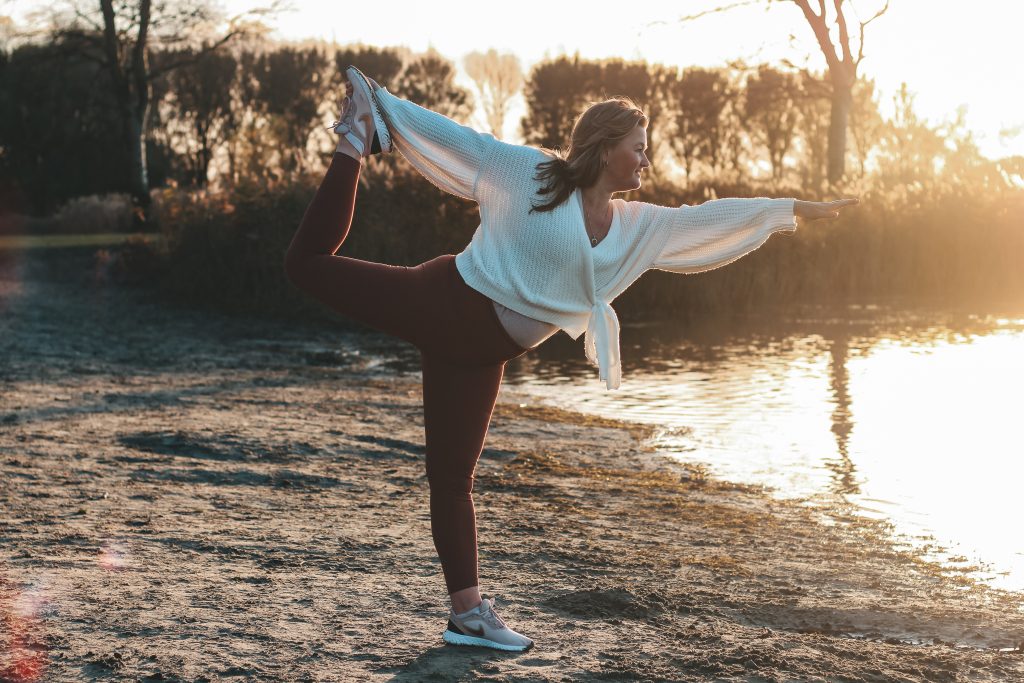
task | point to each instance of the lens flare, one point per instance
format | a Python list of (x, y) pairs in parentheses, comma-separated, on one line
[(11, 259), (114, 556), (23, 650)]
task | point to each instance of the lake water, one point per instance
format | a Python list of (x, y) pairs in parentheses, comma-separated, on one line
[(909, 417)]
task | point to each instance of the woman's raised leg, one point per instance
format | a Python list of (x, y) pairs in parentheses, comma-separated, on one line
[(328, 217), (385, 297)]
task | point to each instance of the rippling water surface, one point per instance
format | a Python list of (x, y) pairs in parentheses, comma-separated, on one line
[(911, 417)]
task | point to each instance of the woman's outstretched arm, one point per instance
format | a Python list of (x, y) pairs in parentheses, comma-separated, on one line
[(448, 154), (718, 232)]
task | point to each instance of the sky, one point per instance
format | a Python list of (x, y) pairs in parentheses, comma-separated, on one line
[(949, 56)]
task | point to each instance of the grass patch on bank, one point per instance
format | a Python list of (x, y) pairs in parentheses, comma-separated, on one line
[(80, 240)]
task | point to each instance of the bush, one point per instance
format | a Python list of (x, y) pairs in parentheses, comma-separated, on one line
[(136, 261), (228, 251), (92, 214)]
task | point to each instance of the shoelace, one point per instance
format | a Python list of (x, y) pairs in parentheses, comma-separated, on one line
[(346, 116), (491, 617)]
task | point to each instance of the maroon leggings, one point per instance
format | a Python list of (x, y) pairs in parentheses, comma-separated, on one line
[(462, 344)]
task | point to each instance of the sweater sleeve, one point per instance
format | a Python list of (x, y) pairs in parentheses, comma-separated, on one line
[(719, 231), (447, 153)]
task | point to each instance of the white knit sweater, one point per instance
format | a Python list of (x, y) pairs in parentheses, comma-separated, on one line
[(542, 264)]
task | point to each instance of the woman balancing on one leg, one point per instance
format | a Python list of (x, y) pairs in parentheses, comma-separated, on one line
[(553, 249)]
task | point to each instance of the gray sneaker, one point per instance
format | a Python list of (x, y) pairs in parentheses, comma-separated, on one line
[(362, 123), (483, 627)]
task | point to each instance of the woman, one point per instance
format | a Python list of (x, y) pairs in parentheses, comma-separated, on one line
[(552, 251)]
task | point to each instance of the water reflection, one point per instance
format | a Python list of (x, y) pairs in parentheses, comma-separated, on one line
[(938, 435), (911, 417), (842, 421)]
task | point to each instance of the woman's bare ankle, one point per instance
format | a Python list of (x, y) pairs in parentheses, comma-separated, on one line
[(345, 147), (465, 599)]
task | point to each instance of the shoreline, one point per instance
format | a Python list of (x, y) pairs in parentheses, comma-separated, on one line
[(192, 497)]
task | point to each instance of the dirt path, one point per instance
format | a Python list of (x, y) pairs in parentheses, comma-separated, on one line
[(192, 497)]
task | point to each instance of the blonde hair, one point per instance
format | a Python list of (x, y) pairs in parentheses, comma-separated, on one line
[(595, 131)]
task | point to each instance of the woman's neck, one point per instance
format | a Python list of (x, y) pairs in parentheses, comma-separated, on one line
[(596, 198)]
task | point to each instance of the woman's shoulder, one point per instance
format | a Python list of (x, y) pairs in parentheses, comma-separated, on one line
[(515, 163), (635, 210), (645, 219), (511, 150), (526, 153)]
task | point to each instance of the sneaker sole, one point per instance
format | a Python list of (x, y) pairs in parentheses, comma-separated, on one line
[(360, 81), (459, 639)]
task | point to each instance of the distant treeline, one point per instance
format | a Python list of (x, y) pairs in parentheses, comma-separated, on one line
[(236, 144)]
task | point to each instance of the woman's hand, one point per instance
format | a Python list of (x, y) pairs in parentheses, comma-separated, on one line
[(817, 211)]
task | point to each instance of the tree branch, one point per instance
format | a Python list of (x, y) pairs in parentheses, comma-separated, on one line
[(139, 55), (691, 17), (863, 24), (238, 29), (820, 32), (195, 57), (844, 34), (92, 24), (111, 44)]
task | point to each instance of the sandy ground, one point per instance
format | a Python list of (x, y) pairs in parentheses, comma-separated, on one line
[(193, 497)]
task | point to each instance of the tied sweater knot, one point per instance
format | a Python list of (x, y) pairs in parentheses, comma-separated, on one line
[(542, 264)]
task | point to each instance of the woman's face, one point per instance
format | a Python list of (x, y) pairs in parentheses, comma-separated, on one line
[(627, 160)]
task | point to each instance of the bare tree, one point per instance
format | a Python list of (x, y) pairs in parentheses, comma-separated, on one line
[(498, 78), (121, 37), (842, 71), (842, 67)]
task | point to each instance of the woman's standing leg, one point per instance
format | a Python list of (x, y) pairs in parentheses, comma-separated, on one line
[(457, 404), (458, 399)]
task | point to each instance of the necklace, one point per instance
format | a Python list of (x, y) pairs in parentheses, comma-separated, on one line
[(586, 219)]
